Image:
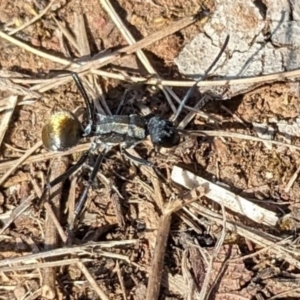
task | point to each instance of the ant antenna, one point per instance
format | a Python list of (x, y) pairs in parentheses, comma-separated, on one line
[(83, 92), (193, 87), (88, 103)]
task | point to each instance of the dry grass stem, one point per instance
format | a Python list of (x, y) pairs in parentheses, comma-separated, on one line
[(175, 83), (92, 281), (121, 280), (19, 161), (131, 41), (156, 271), (45, 156), (72, 200), (81, 36), (157, 265), (205, 290), (220, 133), (12, 102), (92, 248), (263, 239), (221, 195), (58, 167), (8, 85), (292, 180), (67, 34), (18, 211), (98, 63), (33, 20), (50, 264)]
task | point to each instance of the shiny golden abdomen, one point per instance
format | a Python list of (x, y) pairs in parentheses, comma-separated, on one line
[(62, 131)]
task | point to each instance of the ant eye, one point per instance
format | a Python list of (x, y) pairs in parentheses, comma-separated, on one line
[(62, 131)]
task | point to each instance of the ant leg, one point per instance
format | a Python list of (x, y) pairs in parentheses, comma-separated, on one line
[(121, 104), (63, 176), (83, 195), (143, 162), (201, 78)]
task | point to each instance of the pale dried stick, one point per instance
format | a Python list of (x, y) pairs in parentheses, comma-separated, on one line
[(33, 50), (8, 86), (87, 274), (229, 199), (18, 211), (235, 116), (44, 156), (67, 34), (44, 11), (285, 241), (287, 294), (292, 180), (81, 36), (91, 248), (50, 264), (174, 83), (58, 167), (19, 161), (72, 199), (97, 63), (12, 102), (84, 48), (155, 273), (49, 210), (131, 40), (151, 81), (205, 286), (228, 134), (155, 277), (121, 280)]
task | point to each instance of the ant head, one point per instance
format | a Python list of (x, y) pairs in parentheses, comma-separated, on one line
[(162, 132), (62, 131)]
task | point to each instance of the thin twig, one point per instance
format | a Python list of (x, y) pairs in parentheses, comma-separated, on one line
[(154, 281), (45, 156), (292, 180), (58, 167), (12, 102), (204, 294), (155, 277), (174, 83), (18, 211), (81, 36), (19, 161), (67, 34), (103, 61), (92, 281), (91, 249), (131, 41), (237, 136), (44, 11), (121, 280), (49, 264)]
